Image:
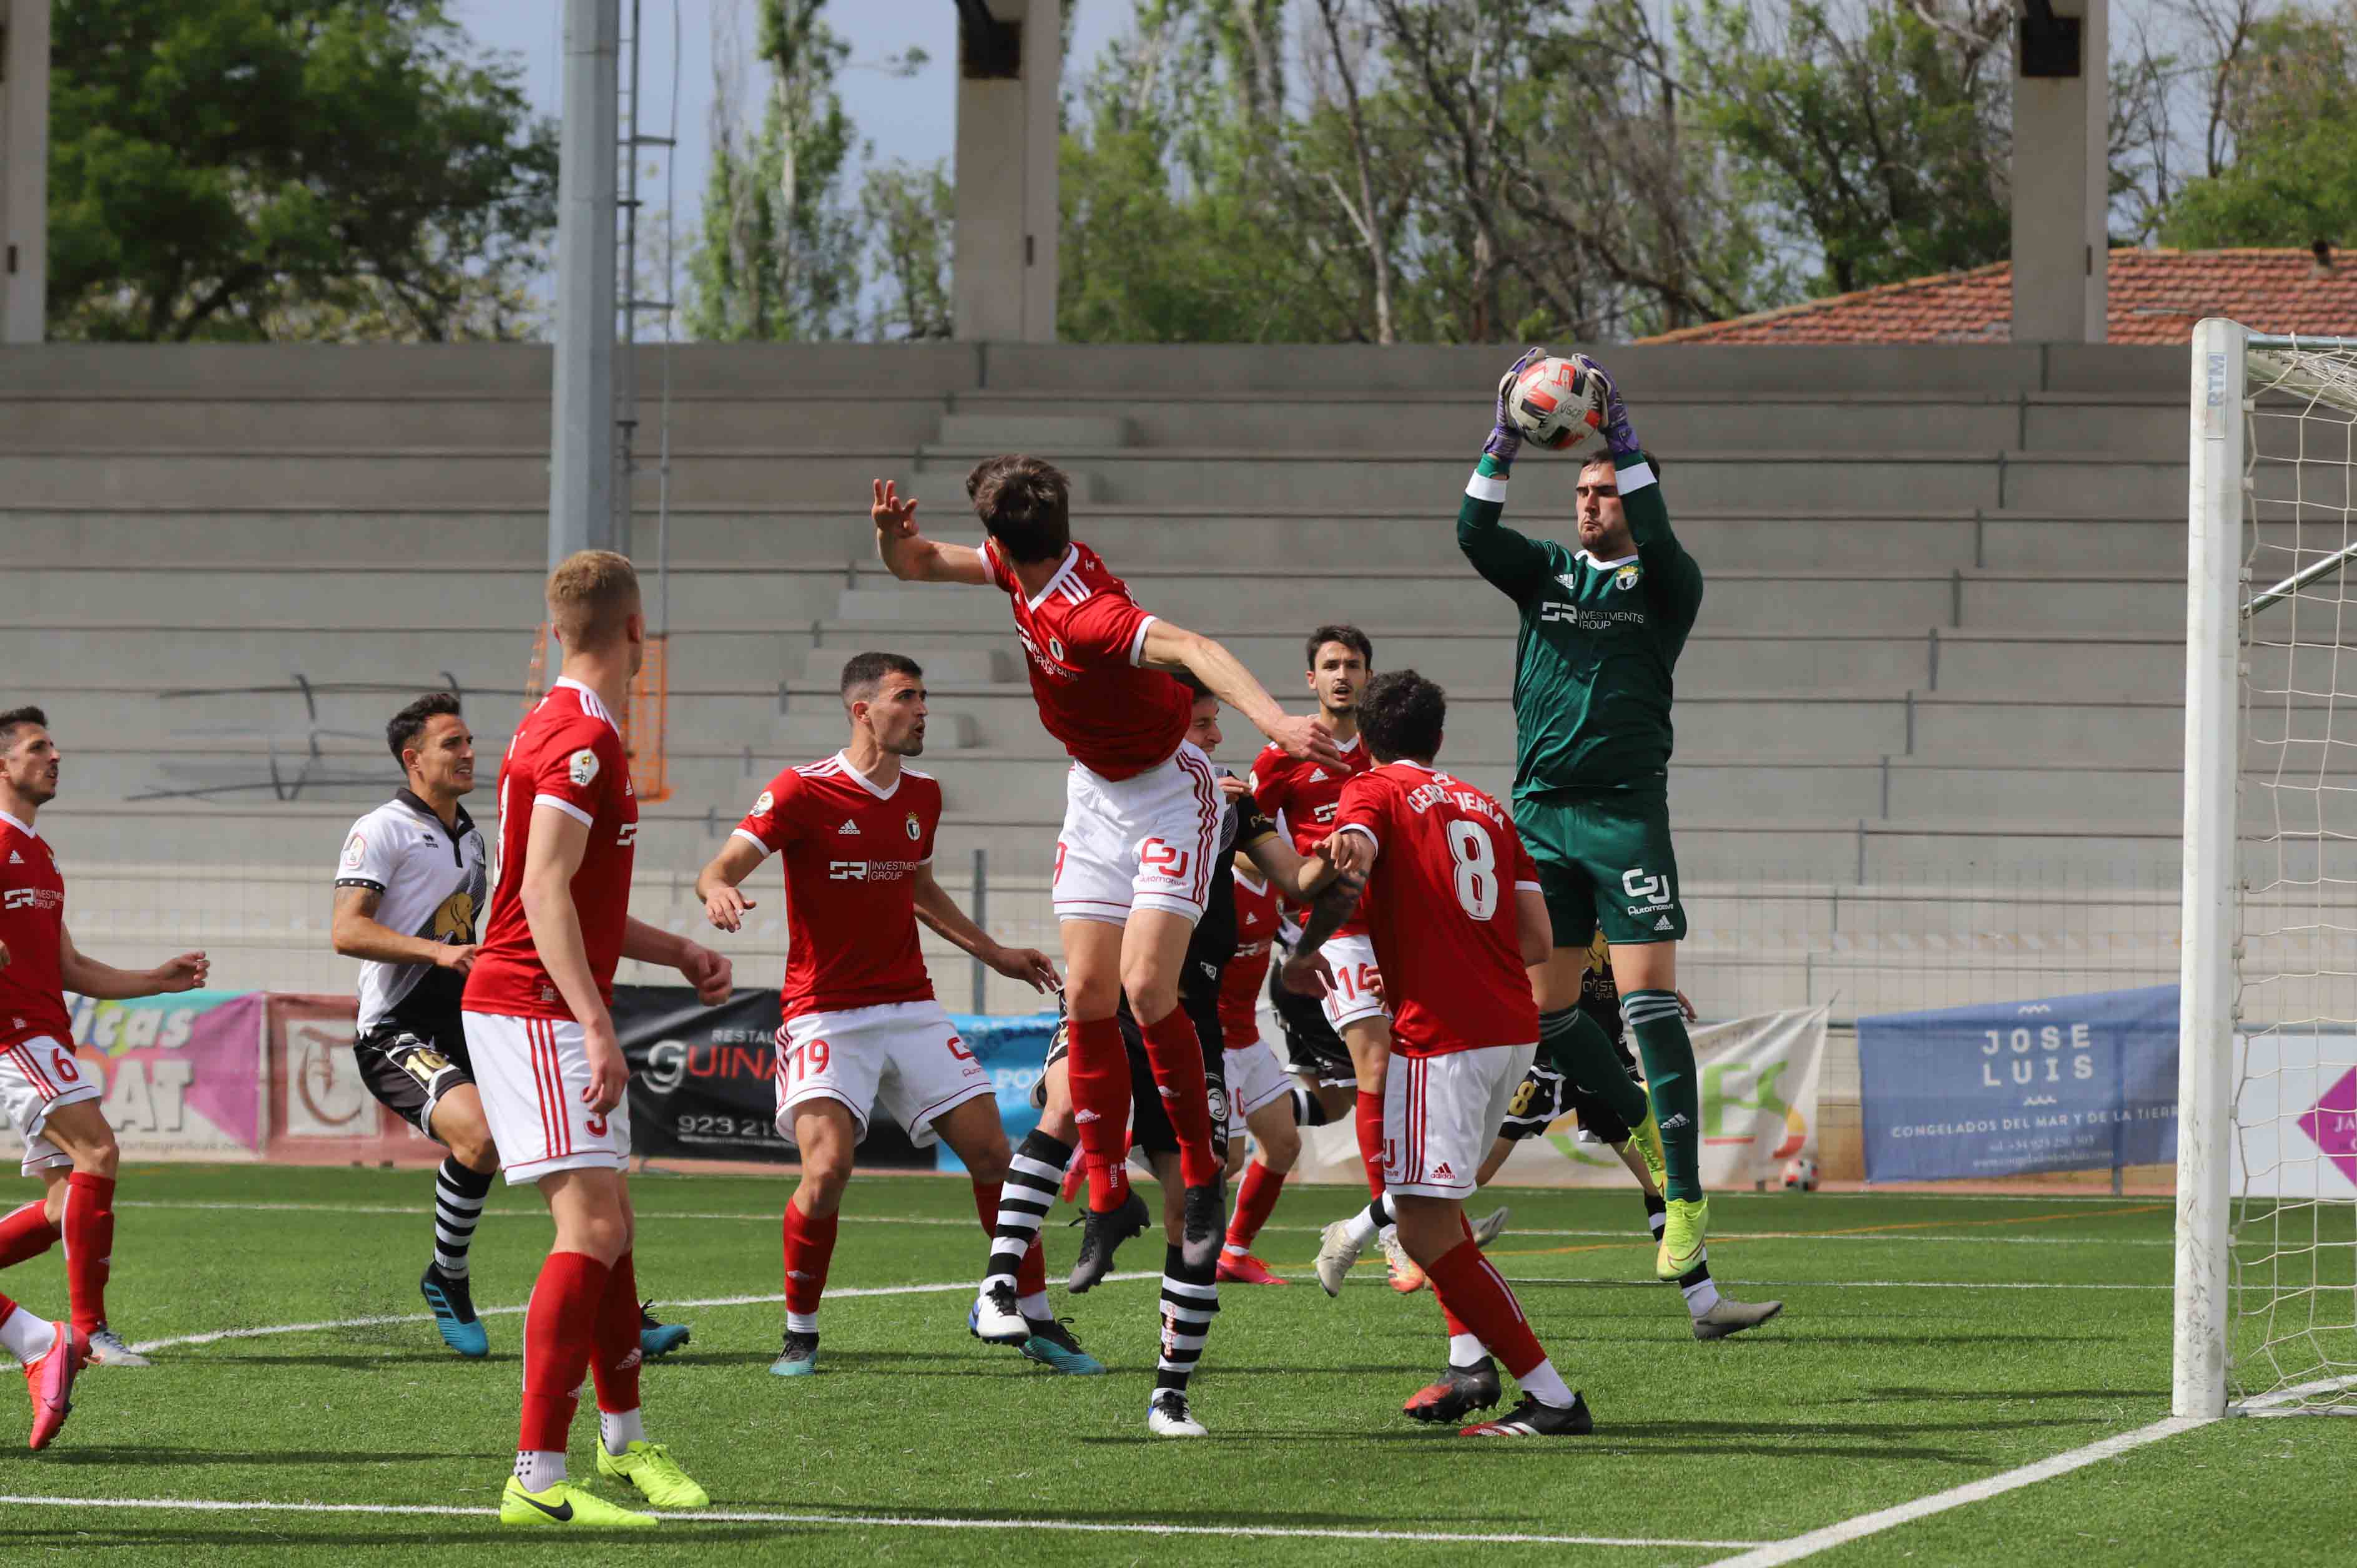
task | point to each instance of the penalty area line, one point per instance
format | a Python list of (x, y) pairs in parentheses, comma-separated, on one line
[(896, 1521), (214, 1337), (1866, 1524)]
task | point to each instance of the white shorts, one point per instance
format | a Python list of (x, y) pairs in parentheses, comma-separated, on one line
[(905, 1056), (1358, 989), (1442, 1113), (1256, 1077), (531, 1073), (1147, 843), (37, 1075)]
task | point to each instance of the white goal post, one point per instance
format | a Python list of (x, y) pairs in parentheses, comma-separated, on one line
[(2266, 1148)]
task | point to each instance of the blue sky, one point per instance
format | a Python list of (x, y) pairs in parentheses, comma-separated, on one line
[(913, 118)]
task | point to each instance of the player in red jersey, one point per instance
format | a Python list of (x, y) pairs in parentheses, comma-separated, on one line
[(861, 1024), (1454, 910), (1141, 819), (1302, 797), (546, 1063), (67, 1141)]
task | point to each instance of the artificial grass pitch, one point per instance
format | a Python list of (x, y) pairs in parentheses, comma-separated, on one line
[(1926, 1342)]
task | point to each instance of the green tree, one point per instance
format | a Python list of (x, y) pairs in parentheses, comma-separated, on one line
[(906, 212), (2289, 103), (289, 168), (780, 255), (1875, 143)]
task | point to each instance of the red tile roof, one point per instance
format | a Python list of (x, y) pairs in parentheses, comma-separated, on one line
[(2153, 296)]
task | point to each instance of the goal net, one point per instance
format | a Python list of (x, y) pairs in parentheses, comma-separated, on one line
[(2266, 1242)]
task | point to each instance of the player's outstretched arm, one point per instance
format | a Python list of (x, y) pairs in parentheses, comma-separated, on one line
[(940, 913), (711, 974), (1169, 647), (1510, 562), (355, 932), (718, 882), (1537, 926), (86, 976), (1672, 578), (910, 556)]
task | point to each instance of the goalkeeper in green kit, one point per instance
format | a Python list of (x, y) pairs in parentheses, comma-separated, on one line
[(1601, 628)]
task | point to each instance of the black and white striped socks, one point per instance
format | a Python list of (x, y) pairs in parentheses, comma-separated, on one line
[(1189, 1299), (459, 1194), (1034, 1175)]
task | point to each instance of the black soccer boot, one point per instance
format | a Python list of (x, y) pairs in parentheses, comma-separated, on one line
[(1103, 1233), (1460, 1391), (1205, 1225), (1533, 1419)]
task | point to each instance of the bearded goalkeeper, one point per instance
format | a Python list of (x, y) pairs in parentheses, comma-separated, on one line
[(1601, 629)]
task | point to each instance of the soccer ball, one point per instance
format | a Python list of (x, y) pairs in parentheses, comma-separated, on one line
[(1558, 403), (1800, 1175)]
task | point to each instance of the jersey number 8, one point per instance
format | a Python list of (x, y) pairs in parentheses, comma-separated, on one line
[(1477, 868)]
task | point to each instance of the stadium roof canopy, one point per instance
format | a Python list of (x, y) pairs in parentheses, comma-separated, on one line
[(2152, 297)]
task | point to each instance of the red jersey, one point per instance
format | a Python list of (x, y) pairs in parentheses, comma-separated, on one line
[(1440, 908), (1085, 636), (33, 924), (566, 754), (1301, 798), (852, 853), (1257, 917)]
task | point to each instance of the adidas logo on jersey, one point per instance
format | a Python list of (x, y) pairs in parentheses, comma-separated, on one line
[(1318, 775), (15, 859), (848, 827)]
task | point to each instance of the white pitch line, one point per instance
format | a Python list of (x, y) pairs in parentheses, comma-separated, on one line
[(1866, 1524), (1822, 1284), (214, 1337), (1630, 1234), (901, 1521)]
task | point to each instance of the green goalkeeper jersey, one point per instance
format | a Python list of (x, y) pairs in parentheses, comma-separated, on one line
[(1597, 641)]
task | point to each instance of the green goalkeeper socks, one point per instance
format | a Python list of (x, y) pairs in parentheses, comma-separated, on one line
[(1660, 1030), (1583, 1052)]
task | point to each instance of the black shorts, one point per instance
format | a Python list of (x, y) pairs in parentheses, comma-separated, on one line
[(1545, 1097), (409, 1073), (1310, 1043)]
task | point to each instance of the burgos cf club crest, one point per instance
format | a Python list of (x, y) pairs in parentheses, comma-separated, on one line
[(916, 829), (1626, 578)]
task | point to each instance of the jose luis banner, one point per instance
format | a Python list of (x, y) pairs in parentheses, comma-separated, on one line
[(2014, 1088)]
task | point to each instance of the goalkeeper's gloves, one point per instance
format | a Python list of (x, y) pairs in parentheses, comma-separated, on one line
[(1505, 440), (1618, 435)]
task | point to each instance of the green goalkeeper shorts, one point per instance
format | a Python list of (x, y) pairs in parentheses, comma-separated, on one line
[(1604, 859)]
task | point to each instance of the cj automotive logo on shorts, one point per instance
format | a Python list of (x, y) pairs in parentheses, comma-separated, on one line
[(870, 870)]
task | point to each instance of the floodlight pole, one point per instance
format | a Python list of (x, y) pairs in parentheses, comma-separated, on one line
[(582, 509)]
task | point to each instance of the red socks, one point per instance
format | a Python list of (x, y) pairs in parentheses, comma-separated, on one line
[(614, 1345), (26, 1233), (90, 1246), (1370, 1120), (1256, 1197), (559, 1328), (1031, 1274), (809, 1248), (1175, 1051), (1474, 1293), (1099, 1069)]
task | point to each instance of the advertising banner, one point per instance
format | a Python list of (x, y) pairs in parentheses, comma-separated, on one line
[(2071, 1083), (2295, 1116), (321, 1110), (700, 1076), (182, 1074), (1757, 1087)]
